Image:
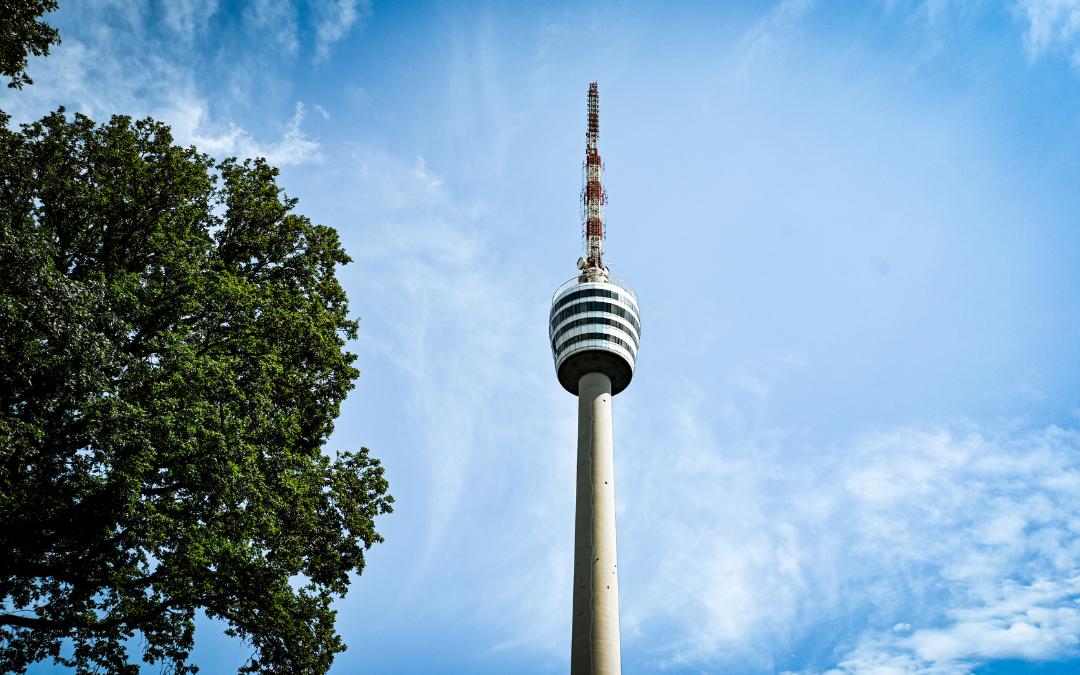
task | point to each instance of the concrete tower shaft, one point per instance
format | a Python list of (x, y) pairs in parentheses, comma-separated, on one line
[(595, 643), (595, 329)]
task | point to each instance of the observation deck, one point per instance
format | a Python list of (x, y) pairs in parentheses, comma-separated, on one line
[(594, 326)]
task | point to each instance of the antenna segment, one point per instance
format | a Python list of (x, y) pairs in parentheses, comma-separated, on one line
[(593, 196)]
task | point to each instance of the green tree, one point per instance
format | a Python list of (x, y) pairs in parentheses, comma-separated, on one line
[(22, 34), (172, 350)]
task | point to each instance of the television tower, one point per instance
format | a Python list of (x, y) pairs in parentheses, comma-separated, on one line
[(594, 329)]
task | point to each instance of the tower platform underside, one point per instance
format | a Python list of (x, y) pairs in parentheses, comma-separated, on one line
[(577, 365)]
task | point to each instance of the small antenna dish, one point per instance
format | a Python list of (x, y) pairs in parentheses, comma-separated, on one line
[(581, 263)]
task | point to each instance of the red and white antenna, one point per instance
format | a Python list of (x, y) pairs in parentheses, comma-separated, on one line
[(593, 196)]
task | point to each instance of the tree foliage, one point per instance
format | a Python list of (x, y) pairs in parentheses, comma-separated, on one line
[(172, 344), (22, 34)]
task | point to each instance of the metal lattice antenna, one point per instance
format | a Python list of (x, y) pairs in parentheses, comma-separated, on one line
[(593, 196)]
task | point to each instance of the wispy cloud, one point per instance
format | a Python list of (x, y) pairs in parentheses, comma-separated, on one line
[(1035, 622), (188, 18), (277, 19), (459, 334), (770, 30), (294, 147), (464, 331), (1052, 25), (191, 125), (956, 543), (334, 19), (120, 67)]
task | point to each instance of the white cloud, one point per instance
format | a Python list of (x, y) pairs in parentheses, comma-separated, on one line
[(1052, 25), (334, 20), (464, 332), (768, 31), (955, 543), (188, 18), (294, 147), (278, 19), (454, 346), (118, 67), (1035, 622), (427, 180), (189, 119)]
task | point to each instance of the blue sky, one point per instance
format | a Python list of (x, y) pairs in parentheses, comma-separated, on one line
[(853, 440)]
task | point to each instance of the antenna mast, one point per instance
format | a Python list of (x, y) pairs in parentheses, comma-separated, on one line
[(593, 196)]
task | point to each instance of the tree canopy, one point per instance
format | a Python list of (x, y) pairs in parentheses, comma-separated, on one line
[(21, 35), (173, 349)]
